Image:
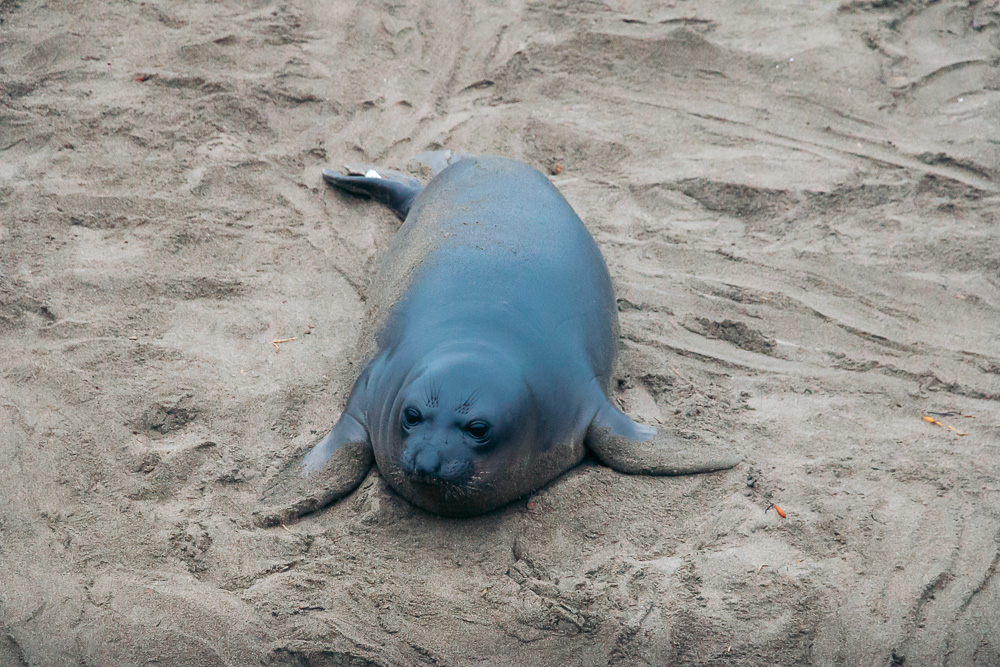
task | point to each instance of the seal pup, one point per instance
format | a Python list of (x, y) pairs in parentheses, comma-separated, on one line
[(490, 345)]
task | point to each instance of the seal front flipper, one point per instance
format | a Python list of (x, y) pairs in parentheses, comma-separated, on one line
[(333, 468), (636, 449), (394, 189)]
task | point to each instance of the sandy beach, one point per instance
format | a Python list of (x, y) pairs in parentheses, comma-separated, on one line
[(799, 204)]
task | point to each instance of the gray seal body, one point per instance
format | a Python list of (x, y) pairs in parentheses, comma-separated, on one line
[(490, 346)]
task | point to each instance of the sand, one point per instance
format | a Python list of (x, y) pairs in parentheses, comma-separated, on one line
[(798, 203)]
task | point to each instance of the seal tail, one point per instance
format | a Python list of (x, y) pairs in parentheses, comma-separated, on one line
[(395, 191)]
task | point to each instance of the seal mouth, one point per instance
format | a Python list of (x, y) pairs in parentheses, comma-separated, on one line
[(443, 495), (454, 480), (428, 479), (437, 479), (435, 483)]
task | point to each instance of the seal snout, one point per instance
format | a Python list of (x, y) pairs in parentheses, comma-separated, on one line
[(426, 464)]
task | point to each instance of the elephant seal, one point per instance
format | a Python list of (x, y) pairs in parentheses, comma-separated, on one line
[(492, 338)]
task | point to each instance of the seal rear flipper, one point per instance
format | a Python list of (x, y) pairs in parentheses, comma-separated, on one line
[(636, 449), (329, 471), (394, 189)]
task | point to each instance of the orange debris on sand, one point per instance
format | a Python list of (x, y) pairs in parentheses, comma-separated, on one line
[(931, 420)]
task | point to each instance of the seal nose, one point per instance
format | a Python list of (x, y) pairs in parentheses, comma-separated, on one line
[(427, 462)]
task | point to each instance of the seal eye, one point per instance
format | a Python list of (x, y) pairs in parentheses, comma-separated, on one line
[(478, 430), (411, 417)]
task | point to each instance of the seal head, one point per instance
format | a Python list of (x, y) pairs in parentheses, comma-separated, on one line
[(460, 422)]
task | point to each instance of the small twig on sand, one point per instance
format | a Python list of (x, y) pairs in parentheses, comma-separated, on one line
[(278, 341)]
